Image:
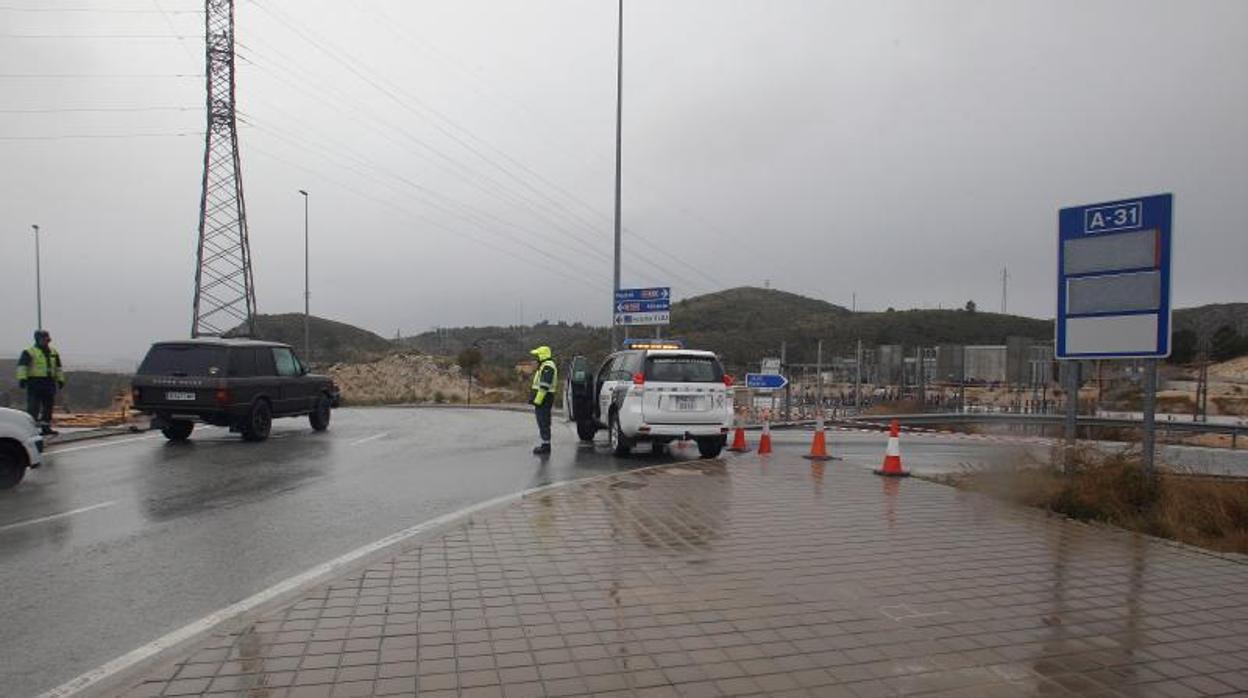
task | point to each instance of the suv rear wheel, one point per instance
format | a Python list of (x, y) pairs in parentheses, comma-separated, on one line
[(12, 465), (586, 429), (259, 422), (178, 429), (710, 448), (620, 444), (319, 418)]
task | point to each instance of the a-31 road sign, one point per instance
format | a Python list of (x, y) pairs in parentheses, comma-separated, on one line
[(1113, 279)]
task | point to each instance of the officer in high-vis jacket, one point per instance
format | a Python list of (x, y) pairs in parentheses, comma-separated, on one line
[(40, 372), (545, 384)]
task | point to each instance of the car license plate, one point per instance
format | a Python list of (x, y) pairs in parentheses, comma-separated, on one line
[(685, 403), (181, 397)]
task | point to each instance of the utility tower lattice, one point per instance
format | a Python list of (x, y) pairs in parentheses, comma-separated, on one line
[(225, 295)]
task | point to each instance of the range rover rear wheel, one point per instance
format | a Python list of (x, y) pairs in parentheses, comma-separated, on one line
[(178, 429), (259, 421)]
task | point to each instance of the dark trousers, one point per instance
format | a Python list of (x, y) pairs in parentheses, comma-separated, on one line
[(40, 394), (543, 417)]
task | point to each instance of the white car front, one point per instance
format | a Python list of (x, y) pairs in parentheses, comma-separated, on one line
[(21, 446)]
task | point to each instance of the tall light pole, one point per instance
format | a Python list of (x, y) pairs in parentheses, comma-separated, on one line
[(619, 111), (307, 295), (38, 283)]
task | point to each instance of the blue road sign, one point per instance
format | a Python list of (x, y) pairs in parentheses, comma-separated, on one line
[(765, 381), (1113, 279), (643, 306), (660, 306), (644, 294)]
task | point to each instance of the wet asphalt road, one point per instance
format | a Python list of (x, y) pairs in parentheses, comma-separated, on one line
[(117, 542)]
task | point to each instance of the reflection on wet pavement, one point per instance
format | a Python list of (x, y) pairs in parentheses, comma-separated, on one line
[(726, 578)]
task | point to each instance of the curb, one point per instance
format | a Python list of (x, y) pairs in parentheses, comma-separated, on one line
[(92, 434)]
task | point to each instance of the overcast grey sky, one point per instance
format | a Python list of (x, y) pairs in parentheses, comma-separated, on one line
[(905, 151)]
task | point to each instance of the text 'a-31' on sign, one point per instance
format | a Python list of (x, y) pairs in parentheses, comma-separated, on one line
[(1113, 279), (765, 381), (643, 306)]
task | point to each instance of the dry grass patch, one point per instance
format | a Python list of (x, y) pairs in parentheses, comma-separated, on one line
[(1112, 488)]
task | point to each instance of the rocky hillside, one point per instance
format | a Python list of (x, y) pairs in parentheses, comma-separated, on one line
[(407, 377)]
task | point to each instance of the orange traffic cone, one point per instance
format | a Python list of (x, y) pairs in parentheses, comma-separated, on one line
[(819, 444), (739, 444), (892, 454), (764, 442)]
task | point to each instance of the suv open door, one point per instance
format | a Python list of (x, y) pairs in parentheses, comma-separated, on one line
[(579, 398)]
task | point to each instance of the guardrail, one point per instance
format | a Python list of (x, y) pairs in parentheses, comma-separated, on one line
[(1164, 425)]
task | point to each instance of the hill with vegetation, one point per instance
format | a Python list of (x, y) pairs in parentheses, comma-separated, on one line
[(332, 341), (84, 390)]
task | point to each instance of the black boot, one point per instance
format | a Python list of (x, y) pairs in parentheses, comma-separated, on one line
[(542, 450)]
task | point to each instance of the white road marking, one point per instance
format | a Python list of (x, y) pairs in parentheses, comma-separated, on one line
[(102, 444), (290, 586), (374, 437), (53, 517)]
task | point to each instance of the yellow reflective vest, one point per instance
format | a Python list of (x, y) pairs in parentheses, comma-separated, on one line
[(40, 363), (545, 381)]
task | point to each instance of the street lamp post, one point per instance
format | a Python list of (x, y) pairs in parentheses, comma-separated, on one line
[(307, 295), (38, 283), (619, 111)]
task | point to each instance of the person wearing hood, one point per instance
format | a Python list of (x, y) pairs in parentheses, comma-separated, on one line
[(40, 374), (542, 395)]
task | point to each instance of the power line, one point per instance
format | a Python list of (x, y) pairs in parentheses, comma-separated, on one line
[(398, 97), (69, 136), (72, 110), (99, 10), (179, 37), (459, 170), (534, 261), (143, 76)]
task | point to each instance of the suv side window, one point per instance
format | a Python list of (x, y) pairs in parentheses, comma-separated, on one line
[(287, 365), (242, 363), (630, 365), (265, 365)]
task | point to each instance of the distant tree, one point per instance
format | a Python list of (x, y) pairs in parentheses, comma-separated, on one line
[(1227, 344), (970, 307), (891, 309), (1183, 347), (469, 360)]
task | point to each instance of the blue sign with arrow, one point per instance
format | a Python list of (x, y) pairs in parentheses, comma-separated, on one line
[(765, 381), (644, 294), (661, 306), (643, 306)]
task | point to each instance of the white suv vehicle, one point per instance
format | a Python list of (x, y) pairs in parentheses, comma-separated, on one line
[(21, 446), (652, 395)]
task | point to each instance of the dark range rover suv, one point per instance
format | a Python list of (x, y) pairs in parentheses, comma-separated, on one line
[(237, 383)]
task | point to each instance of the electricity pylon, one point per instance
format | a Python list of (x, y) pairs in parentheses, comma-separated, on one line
[(225, 294)]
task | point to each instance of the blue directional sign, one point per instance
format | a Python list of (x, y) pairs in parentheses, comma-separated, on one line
[(765, 381), (643, 306), (1113, 279), (644, 294)]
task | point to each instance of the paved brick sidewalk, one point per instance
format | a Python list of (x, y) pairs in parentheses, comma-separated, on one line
[(753, 577)]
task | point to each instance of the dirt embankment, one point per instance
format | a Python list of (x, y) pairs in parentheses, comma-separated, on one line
[(408, 377)]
